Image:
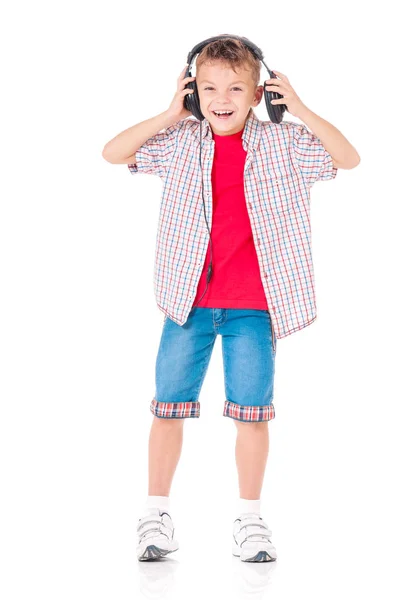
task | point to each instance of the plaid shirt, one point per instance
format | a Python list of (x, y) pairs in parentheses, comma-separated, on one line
[(283, 162)]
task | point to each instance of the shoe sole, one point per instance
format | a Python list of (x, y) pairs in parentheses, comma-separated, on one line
[(153, 552), (261, 556)]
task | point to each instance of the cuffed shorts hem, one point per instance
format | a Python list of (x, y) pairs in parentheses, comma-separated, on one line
[(175, 410), (248, 413)]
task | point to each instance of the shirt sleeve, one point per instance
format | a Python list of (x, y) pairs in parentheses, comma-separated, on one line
[(314, 161), (154, 156)]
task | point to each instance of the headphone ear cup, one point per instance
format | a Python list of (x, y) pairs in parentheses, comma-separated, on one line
[(191, 101), (275, 111)]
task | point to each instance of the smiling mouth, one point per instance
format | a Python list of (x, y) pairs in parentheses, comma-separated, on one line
[(223, 116)]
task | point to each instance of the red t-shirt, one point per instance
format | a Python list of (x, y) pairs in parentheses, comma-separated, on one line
[(236, 280)]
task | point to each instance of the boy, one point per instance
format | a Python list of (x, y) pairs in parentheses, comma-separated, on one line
[(255, 177)]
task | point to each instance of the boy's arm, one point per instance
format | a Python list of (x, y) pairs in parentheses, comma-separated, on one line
[(343, 154), (152, 152), (126, 143)]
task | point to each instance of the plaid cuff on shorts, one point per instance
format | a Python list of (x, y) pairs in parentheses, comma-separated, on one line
[(248, 413), (175, 410)]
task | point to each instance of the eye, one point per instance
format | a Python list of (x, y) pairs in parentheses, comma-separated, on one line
[(211, 88)]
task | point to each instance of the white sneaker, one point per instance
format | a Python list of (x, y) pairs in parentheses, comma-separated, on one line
[(251, 539), (155, 532)]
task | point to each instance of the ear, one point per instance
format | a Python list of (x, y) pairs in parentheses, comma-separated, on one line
[(259, 93)]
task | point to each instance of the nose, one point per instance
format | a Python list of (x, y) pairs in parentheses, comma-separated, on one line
[(221, 96)]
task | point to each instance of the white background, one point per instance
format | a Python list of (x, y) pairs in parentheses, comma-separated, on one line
[(80, 328)]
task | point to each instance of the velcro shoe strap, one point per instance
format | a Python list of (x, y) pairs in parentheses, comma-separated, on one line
[(147, 520), (261, 535), (250, 530), (251, 521)]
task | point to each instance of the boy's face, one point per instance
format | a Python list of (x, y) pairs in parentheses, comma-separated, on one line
[(220, 88)]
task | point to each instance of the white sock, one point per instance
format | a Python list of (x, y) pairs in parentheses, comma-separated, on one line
[(248, 506), (157, 502)]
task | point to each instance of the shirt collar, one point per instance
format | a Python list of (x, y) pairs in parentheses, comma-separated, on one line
[(250, 135)]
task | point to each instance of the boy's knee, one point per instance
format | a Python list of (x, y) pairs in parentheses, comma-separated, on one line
[(245, 425), (169, 421)]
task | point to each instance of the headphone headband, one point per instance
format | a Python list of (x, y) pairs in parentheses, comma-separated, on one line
[(199, 47)]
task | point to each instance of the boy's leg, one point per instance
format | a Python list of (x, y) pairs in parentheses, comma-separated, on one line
[(251, 452), (249, 365), (164, 449)]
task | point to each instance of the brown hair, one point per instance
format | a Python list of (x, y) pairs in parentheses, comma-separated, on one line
[(233, 53)]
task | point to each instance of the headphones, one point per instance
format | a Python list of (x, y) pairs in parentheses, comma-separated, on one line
[(191, 102)]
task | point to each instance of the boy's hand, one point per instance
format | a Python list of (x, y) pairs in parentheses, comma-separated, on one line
[(177, 110), (282, 86)]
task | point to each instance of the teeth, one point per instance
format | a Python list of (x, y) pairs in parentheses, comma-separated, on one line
[(223, 112)]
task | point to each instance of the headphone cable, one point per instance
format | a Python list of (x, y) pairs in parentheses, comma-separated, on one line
[(210, 270)]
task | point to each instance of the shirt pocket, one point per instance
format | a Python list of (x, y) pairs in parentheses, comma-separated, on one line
[(277, 191)]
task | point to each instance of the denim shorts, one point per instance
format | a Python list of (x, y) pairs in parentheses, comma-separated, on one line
[(248, 351)]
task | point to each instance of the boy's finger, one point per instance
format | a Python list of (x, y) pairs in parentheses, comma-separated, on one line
[(185, 81), (280, 74), (182, 82)]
